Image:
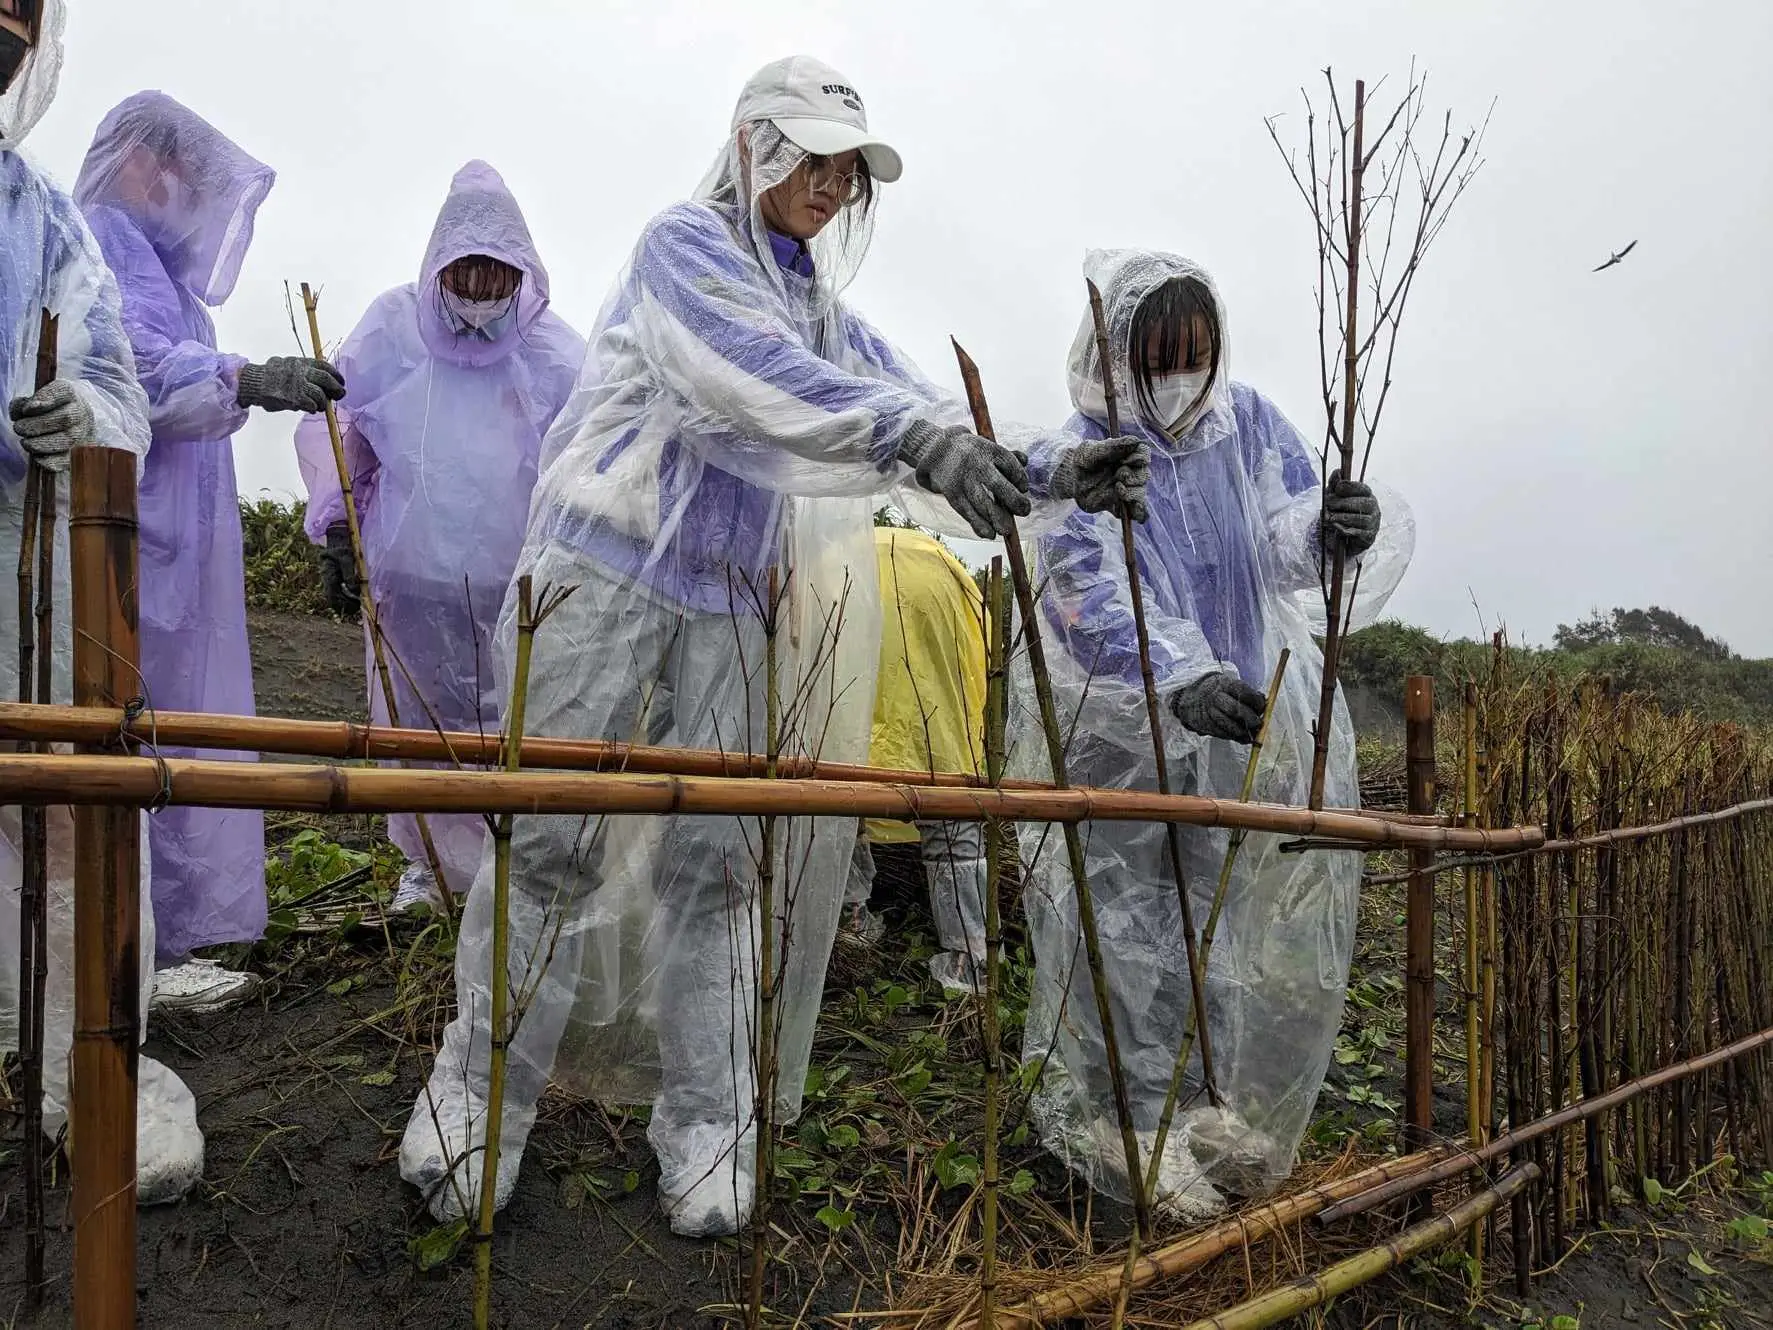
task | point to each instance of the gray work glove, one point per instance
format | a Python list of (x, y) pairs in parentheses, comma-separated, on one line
[(984, 482), (290, 383), (338, 572), (51, 421), (1105, 474), (1221, 706), (1351, 515)]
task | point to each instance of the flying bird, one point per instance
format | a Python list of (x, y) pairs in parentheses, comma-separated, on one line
[(1620, 255)]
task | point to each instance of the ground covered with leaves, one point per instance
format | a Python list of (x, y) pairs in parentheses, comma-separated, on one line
[(302, 1220)]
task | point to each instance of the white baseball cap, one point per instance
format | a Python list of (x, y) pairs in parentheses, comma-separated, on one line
[(817, 110)]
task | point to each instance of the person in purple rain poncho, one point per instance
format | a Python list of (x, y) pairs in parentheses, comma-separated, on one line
[(48, 260), (1231, 558), (454, 381), (733, 416), (172, 203)]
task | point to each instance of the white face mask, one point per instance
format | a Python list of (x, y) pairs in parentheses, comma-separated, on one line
[(1174, 394), (482, 318)]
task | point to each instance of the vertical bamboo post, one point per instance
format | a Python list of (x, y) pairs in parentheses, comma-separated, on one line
[(1474, 1120), (1419, 920), (767, 964), (1074, 849), (36, 655), (498, 1031), (107, 900), (997, 640), (366, 596), (1320, 749)]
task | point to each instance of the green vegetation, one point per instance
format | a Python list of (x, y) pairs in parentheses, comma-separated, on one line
[(1654, 652), (282, 565)]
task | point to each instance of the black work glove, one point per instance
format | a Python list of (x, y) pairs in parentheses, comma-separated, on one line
[(338, 572), (1221, 706), (1351, 516)]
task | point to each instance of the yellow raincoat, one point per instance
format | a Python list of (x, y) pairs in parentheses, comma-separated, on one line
[(929, 701)]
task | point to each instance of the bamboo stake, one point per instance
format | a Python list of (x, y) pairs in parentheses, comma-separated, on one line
[(1474, 1122), (767, 978), (1419, 920), (498, 1035), (997, 637), (1320, 747), (1302, 1295), (307, 787), (35, 657), (1154, 719), (372, 620), (1086, 906), (1474, 1156), (107, 900)]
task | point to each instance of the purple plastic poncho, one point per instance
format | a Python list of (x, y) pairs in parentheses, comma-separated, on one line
[(442, 433), (172, 202)]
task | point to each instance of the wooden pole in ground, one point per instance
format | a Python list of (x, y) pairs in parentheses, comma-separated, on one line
[(36, 654), (1074, 849), (1474, 1118), (107, 901), (997, 641), (366, 596), (1419, 920)]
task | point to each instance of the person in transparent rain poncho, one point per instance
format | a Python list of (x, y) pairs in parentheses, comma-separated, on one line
[(733, 416), (929, 715), (454, 381), (49, 260), (172, 201), (1232, 558)]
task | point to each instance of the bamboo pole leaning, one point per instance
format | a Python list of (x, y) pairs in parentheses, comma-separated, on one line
[(1049, 718), (306, 787), (1300, 1296), (366, 595), (36, 656), (107, 901)]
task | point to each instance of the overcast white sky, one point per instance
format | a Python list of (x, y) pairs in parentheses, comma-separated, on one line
[(1567, 439)]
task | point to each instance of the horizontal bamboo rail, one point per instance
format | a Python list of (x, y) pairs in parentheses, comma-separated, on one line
[(60, 779), (1300, 1296), (1468, 1158), (1599, 840), (350, 741)]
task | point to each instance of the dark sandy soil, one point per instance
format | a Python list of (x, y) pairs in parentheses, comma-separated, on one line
[(302, 1220)]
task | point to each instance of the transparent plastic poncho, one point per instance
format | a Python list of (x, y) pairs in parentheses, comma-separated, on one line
[(1232, 572), (48, 259), (733, 416)]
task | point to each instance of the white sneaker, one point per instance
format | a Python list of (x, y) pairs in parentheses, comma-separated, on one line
[(417, 887), (201, 988), (858, 926), (958, 974), (443, 1155), (1183, 1192), (169, 1144)]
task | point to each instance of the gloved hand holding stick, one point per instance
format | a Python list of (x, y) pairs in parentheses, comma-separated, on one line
[(367, 598), (1049, 717), (35, 661)]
